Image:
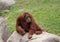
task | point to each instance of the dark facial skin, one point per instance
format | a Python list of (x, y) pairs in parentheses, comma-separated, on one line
[(28, 18)]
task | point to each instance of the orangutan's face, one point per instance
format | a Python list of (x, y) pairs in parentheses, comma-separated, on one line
[(27, 18)]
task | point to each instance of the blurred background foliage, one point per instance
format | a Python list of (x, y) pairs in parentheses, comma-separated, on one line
[(45, 12)]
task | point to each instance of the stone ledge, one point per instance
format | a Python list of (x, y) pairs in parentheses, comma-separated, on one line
[(44, 37), (4, 31)]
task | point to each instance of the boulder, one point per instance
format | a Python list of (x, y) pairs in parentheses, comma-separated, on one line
[(1, 40), (5, 4), (4, 31), (44, 37)]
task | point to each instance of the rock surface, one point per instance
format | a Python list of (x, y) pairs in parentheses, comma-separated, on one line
[(5, 4), (44, 37), (4, 31)]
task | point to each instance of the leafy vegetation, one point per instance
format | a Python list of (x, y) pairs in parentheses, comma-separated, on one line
[(45, 12)]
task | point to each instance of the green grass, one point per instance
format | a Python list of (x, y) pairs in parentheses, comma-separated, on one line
[(45, 12)]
